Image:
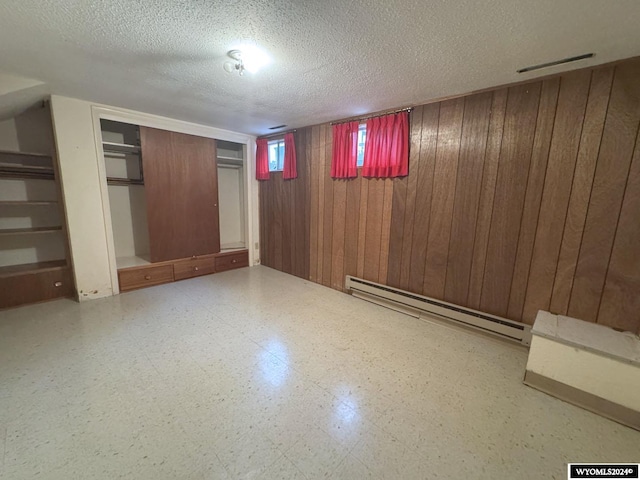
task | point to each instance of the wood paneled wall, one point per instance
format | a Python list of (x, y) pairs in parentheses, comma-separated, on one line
[(520, 199), (284, 215)]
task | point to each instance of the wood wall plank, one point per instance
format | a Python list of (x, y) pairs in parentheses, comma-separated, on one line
[(362, 224), (328, 209), (314, 194), (487, 195), (533, 196), (351, 227), (620, 305), (618, 140), (410, 203), (271, 245), (397, 232), (264, 209), (373, 232), (277, 223), (338, 232), (443, 195), (385, 234), (320, 159), (300, 217), (424, 189), (284, 193), (572, 103), (511, 184), (581, 191), (477, 112), (307, 187)]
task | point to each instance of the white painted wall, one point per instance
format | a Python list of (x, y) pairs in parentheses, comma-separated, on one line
[(231, 207), (81, 189), (35, 131), (9, 135), (29, 132), (128, 205), (253, 197), (77, 130)]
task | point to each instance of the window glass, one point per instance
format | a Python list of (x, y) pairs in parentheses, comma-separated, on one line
[(362, 137), (276, 155)]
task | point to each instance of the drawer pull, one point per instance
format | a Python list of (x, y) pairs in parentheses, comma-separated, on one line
[(195, 269), (147, 277), (235, 260), (57, 284)]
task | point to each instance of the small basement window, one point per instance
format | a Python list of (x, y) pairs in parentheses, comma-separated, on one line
[(362, 137), (276, 155)]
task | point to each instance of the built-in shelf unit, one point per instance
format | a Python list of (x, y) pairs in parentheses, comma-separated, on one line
[(166, 222), (34, 262)]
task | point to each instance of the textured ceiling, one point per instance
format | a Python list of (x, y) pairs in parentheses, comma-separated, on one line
[(331, 58)]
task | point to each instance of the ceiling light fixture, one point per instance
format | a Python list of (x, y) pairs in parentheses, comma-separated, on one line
[(249, 58), (238, 65)]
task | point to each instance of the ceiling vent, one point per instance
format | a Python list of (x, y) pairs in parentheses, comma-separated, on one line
[(557, 62)]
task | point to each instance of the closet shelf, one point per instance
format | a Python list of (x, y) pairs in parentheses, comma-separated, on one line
[(26, 171), (18, 203), (124, 181), (120, 148), (24, 154), (6, 271), (29, 231), (226, 157)]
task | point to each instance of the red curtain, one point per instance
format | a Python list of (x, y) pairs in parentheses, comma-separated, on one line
[(262, 159), (386, 151), (345, 150), (290, 169)]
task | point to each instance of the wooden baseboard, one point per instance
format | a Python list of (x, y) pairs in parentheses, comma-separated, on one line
[(588, 401)]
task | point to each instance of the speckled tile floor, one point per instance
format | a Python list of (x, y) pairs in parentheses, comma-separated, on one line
[(257, 374)]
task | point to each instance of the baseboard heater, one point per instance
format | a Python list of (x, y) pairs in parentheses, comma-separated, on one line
[(418, 305)]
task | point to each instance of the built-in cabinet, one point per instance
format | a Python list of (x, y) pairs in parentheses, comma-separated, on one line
[(34, 260), (181, 186), (163, 196)]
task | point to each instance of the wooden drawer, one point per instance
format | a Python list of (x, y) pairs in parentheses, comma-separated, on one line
[(35, 287), (228, 261), (194, 268), (140, 277)]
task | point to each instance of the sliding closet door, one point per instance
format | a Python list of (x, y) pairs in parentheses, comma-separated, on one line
[(181, 186)]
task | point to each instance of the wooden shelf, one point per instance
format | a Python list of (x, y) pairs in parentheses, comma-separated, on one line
[(137, 261), (225, 157), (31, 267), (26, 171), (24, 154), (124, 181), (120, 148), (29, 231), (19, 203)]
